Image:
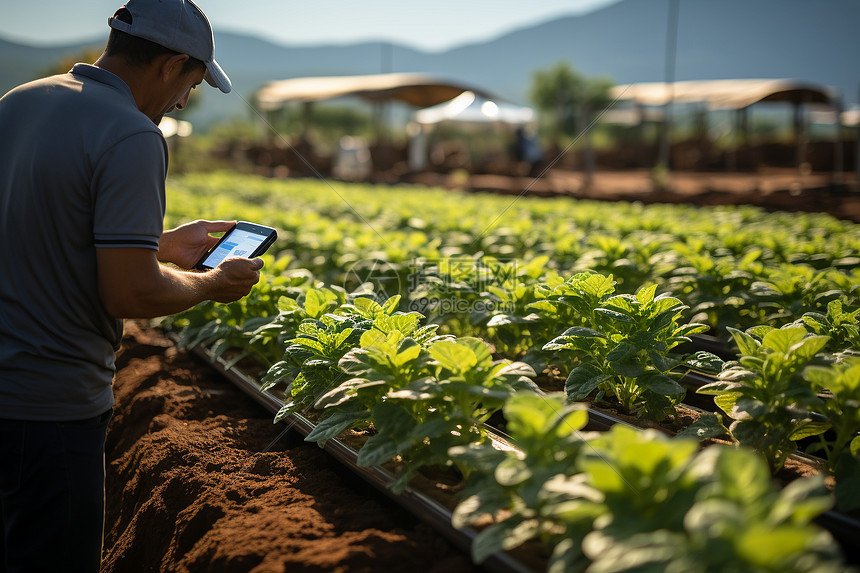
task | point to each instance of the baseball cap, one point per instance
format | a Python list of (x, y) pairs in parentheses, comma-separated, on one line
[(178, 25)]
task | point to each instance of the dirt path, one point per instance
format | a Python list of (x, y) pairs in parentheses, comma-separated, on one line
[(188, 489)]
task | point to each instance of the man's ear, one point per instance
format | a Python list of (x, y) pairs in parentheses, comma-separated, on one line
[(171, 65)]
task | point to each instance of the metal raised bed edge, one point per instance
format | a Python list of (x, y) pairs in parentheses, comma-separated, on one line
[(427, 509)]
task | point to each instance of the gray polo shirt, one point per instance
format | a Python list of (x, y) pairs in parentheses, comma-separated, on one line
[(81, 168)]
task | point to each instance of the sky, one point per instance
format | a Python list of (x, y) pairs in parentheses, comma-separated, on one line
[(429, 26)]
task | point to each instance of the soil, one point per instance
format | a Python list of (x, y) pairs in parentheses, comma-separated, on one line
[(200, 479), (772, 189)]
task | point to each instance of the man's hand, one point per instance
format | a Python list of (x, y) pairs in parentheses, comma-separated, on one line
[(235, 278), (184, 245)]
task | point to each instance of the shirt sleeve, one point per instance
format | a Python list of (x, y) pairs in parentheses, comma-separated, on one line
[(128, 193)]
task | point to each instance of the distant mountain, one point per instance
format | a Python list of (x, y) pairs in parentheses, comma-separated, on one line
[(20, 63), (626, 41)]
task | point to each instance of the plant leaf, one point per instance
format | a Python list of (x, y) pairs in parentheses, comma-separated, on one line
[(705, 361), (492, 539), (582, 332), (708, 425), (622, 352), (747, 345), (473, 507), (783, 339), (807, 429), (453, 356), (582, 381), (376, 450), (662, 385), (614, 314), (333, 425)]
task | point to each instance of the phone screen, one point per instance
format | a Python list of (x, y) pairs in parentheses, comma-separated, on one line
[(239, 243)]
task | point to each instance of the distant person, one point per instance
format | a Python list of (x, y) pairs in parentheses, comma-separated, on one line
[(526, 149), (417, 149), (82, 201)]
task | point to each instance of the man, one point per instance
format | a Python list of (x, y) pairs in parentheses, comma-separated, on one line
[(82, 174)]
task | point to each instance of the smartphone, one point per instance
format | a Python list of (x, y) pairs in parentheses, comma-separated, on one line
[(245, 239)]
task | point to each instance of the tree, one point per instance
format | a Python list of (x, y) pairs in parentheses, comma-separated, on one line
[(88, 55), (571, 100)]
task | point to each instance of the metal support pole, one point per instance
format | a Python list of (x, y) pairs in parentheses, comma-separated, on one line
[(839, 152), (857, 149), (800, 133), (386, 67), (671, 49)]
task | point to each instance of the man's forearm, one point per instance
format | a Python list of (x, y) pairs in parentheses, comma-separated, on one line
[(150, 290), (133, 284)]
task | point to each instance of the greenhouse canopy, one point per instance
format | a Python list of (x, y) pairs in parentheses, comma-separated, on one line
[(419, 90), (471, 108), (725, 94)]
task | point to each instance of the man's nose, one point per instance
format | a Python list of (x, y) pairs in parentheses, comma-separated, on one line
[(180, 105)]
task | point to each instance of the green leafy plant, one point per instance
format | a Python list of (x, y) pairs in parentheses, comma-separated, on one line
[(318, 338), (788, 291), (765, 392), (671, 507), (422, 396), (562, 303), (362, 364), (623, 349), (839, 324), (841, 445), (632, 258), (482, 295), (631, 500), (506, 320), (527, 492), (717, 288), (389, 352)]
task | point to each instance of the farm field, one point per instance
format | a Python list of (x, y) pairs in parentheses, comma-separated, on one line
[(428, 321)]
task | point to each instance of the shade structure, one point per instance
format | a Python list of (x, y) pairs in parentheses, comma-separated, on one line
[(725, 94), (418, 90), (468, 107)]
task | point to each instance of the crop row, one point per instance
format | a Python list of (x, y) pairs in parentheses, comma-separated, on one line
[(733, 266), (623, 349)]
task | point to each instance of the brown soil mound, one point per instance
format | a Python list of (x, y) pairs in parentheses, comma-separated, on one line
[(199, 479)]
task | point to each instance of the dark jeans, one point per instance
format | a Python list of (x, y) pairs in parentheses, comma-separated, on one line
[(52, 495)]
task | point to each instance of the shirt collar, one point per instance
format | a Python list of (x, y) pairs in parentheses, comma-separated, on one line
[(101, 75)]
